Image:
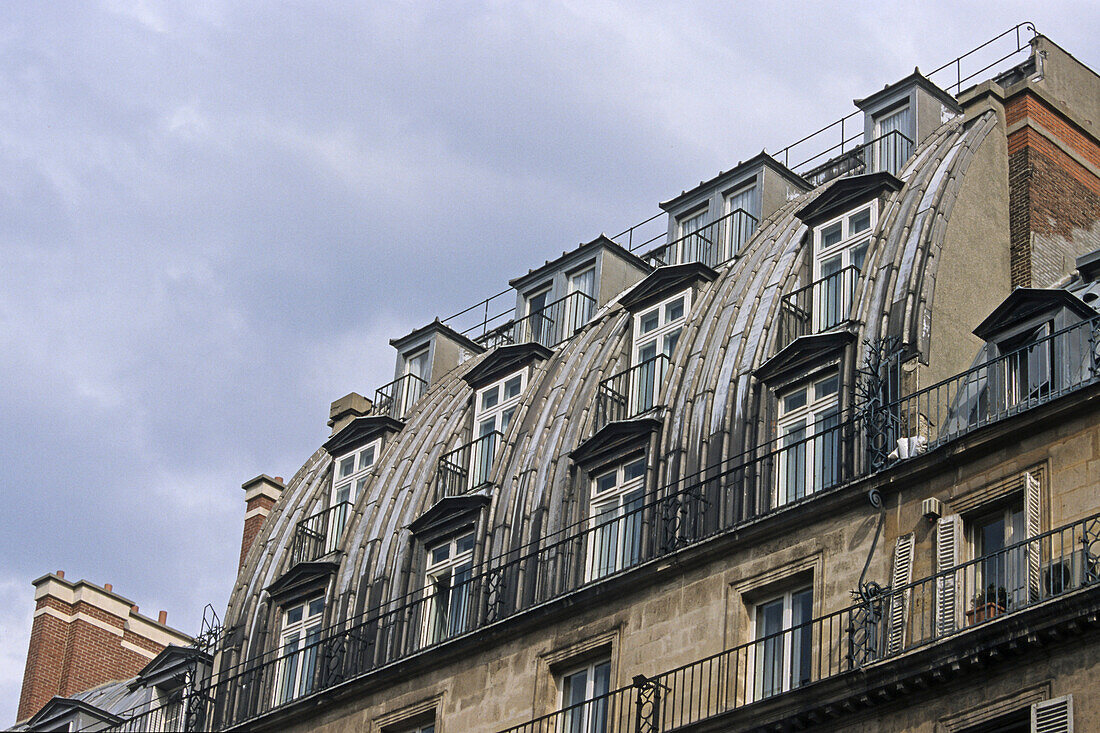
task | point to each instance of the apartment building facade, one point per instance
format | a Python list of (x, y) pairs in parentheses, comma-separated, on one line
[(821, 452)]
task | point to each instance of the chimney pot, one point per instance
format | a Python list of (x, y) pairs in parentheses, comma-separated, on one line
[(60, 573), (107, 587), (134, 608), (162, 618), (279, 480)]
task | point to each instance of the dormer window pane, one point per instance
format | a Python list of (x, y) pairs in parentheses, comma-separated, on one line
[(441, 553), (650, 321), (674, 310), (633, 470), (489, 398), (294, 615), (347, 467), (417, 364), (605, 482), (861, 221), (671, 340), (831, 235), (826, 387), (366, 458), (794, 400), (513, 387)]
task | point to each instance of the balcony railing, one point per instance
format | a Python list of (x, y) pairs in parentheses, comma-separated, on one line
[(631, 393), (887, 153), (397, 398), (981, 591), (818, 307), (1022, 379), (468, 467), (553, 323), (772, 477), (712, 244), (319, 534)]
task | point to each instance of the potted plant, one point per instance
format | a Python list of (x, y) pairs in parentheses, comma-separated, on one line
[(987, 604)]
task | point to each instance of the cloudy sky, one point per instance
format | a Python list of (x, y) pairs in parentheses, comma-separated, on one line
[(214, 215)]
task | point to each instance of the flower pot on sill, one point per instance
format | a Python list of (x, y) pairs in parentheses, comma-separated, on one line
[(984, 612)]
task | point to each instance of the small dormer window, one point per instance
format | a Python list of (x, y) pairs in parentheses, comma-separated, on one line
[(496, 404), (741, 222), (615, 518), (695, 239), (808, 443), (447, 587), (416, 364), (1029, 365), (351, 473), (656, 332), (298, 641), (893, 139), (840, 249)]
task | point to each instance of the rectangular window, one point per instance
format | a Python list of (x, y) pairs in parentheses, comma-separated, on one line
[(656, 332), (1029, 366), (807, 453), (1000, 575), (783, 648), (840, 248), (695, 241), (447, 590), (298, 642), (348, 481), (494, 408), (584, 698), (582, 301), (539, 322), (741, 209), (615, 519), (893, 135)]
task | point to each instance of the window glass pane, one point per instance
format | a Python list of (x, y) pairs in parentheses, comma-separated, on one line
[(859, 222), (537, 301), (316, 606), (359, 486), (583, 282), (489, 398), (826, 387), (605, 482), (649, 321), (486, 427), (506, 418), (574, 688), (634, 469), (366, 458), (294, 615), (347, 466), (647, 352), (674, 310), (831, 235), (343, 493), (832, 266), (670, 342), (512, 387), (440, 553), (465, 543), (859, 254), (794, 400)]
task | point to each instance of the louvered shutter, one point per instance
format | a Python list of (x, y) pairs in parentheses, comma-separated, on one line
[(1032, 508), (899, 599), (1053, 716), (948, 546)]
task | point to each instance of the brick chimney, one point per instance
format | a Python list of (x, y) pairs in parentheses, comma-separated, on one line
[(84, 635), (346, 409), (260, 494)]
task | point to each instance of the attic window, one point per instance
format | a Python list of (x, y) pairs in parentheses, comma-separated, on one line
[(893, 139), (840, 249), (807, 459)]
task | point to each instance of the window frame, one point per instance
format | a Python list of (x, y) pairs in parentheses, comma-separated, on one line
[(353, 482), (293, 680), (610, 529), (701, 213), (788, 635), (589, 716), (813, 418), (438, 623), (831, 300), (728, 209)]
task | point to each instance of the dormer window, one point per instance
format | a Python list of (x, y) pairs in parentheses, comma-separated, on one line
[(807, 458), (696, 241), (656, 333), (741, 221), (496, 404), (470, 466), (351, 473), (1029, 365), (840, 249), (447, 588), (615, 518), (298, 641), (893, 135)]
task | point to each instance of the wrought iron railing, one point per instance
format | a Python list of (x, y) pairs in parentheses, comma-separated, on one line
[(872, 631), (553, 323), (818, 307), (1024, 378), (886, 153), (319, 534), (397, 398), (712, 244), (631, 392), (468, 467)]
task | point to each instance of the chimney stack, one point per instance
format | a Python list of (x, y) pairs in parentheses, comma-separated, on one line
[(260, 495), (346, 409)]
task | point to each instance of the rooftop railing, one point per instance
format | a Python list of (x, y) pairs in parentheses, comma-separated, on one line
[(554, 323), (886, 153), (932, 609), (319, 534), (468, 467), (712, 244), (818, 307), (631, 392), (397, 398)]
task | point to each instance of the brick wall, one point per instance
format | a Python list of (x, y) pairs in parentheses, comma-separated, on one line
[(253, 522), (1054, 191), (82, 636)]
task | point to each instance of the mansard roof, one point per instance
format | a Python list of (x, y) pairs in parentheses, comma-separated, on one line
[(844, 194), (1024, 303), (665, 281), (503, 361)]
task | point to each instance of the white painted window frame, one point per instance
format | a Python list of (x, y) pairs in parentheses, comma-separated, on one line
[(811, 416), (610, 520)]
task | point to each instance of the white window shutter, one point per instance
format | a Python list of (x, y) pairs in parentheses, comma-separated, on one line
[(1053, 716), (1032, 509), (899, 599), (948, 546)]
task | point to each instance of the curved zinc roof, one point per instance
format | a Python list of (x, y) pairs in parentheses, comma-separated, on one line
[(710, 412)]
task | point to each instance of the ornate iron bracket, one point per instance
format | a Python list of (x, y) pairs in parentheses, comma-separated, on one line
[(647, 704)]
